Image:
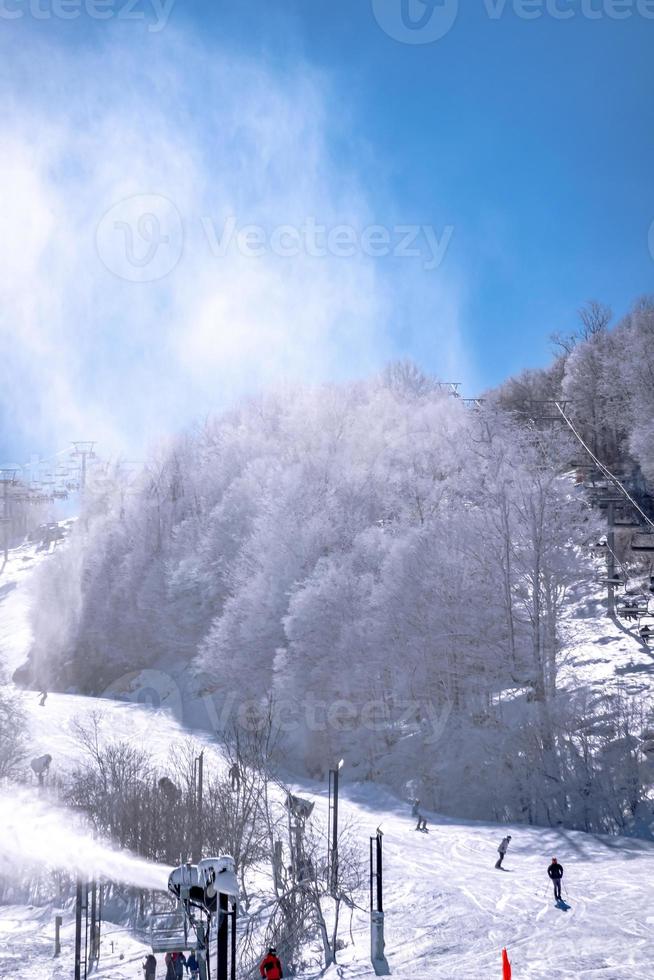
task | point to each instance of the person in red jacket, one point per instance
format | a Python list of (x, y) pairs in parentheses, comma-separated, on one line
[(270, 966)]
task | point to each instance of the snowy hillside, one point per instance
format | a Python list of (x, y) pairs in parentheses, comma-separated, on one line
[(448, 911)]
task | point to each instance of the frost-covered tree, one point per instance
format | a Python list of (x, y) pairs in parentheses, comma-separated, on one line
[(387, 565), (12, 735)]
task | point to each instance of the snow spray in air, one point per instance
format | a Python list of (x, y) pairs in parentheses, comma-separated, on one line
[(38, 836)]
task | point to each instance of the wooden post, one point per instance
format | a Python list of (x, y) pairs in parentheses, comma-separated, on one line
[(58, 923)]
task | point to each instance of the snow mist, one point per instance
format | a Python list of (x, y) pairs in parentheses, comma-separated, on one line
[(36, 835)]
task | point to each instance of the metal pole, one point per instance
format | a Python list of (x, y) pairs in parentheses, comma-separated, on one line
[(232, 972), (86, 929), (222, 937), (58, 923), (334, 777), (94, 912), (377, 942), (99, 929), (200, 792), (198, 787), (78, 932), (372, 875), (380, 875), (610, 559)]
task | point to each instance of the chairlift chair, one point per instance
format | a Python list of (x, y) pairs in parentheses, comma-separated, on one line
[(643, 541), (624, 519), (632, 606), (169, 932)]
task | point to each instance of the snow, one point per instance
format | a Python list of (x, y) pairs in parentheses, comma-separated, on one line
[(15, 631), (601, 651), (449, 913), (27, 947)]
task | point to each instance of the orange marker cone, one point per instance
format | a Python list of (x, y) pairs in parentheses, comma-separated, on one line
[(506, 971)]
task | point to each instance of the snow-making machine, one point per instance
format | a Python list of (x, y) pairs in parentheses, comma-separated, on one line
[(207, 902)]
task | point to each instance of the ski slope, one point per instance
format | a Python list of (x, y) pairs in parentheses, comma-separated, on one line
[(448, 911)]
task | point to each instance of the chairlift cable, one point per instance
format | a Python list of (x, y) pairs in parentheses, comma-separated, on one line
[(604, 469)]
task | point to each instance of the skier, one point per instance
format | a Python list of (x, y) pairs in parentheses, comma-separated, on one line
[(555, 871), (180, 963), (502, 849), (44, 697), (193, 966), (150, 967), (270, 967), (415, 812), (235, 776), (170, 967)]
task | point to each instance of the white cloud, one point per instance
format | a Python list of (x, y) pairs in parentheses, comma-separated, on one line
[(88, 354)]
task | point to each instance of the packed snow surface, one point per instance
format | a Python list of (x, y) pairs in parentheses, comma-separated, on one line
[(449, 912)]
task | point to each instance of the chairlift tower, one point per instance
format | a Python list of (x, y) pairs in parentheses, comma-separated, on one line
[(83, 451), (451, 387)]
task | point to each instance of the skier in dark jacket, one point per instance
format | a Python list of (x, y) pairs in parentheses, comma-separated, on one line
[(150, 967), (415, 812), (502, 849), (180, 963), (193, 966), (270, 966), (555, 871)]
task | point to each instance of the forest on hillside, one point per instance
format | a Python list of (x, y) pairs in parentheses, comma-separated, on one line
[(605, 372), (386, 569)]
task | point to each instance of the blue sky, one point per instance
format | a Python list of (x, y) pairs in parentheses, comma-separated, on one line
[(534, 138), (526, 145)]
